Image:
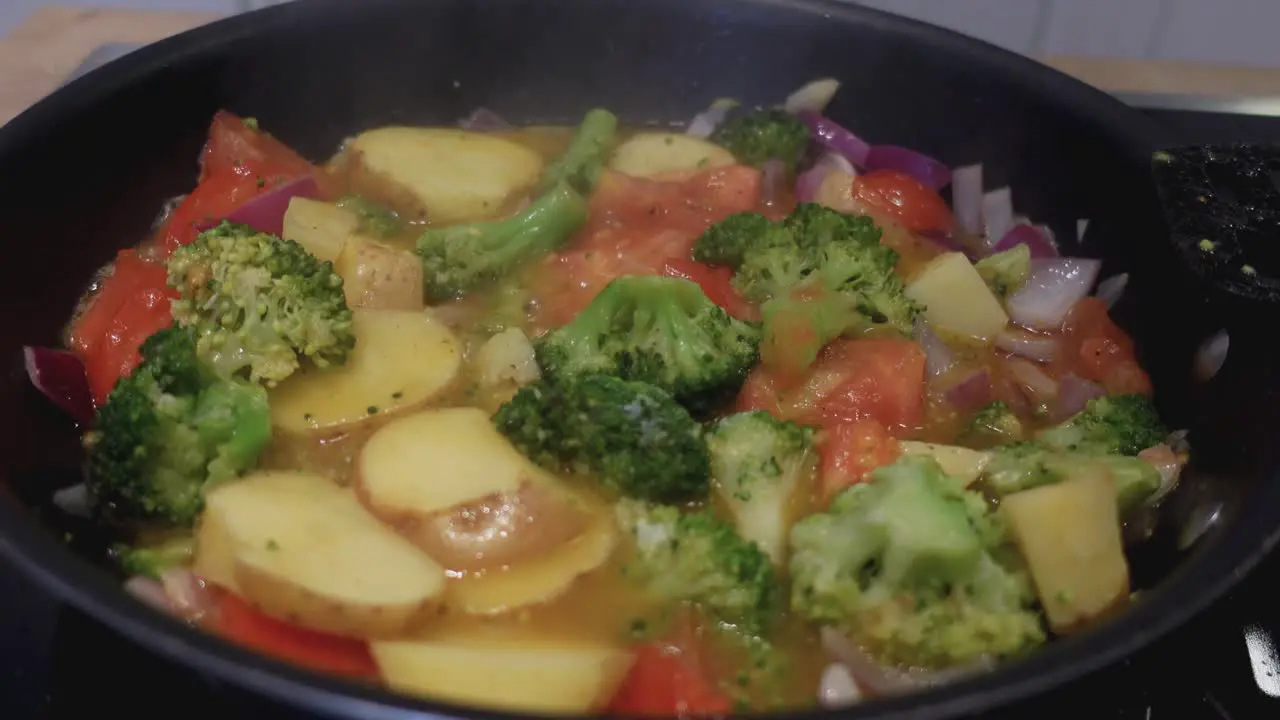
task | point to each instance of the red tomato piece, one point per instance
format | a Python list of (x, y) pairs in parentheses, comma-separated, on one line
[(716, 283), (244, 625), (851, 451), (234, 146), (901, 197), (664, 683), (1097, 349)]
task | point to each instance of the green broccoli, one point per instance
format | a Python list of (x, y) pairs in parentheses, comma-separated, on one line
[(994, 424), (1108, 425), (171, 429), (581, 164), (373, 219), (630, 436), (814, 249), (915, 569), (257, 302), (758, 464), (696, 557), (659, 330), (459, 258), (796, 328), (761, 135), (1022, 466), (1006, 271), (152, 560)]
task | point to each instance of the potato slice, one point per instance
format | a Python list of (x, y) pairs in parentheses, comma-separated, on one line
[(320, 227), (1070, 535), (378, 277), (648, 154), (455, 175), (956, 298), (401, 360), (305, 550), (962, 463), (539, 678), (452, 484), (537, 580)]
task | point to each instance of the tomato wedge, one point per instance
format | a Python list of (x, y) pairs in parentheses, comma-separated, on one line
[(664, 683), (1097, 349), (716, 283), (240, 623), (897, 195), (851, 451)]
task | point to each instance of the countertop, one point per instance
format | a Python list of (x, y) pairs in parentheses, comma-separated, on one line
[(36, 56)]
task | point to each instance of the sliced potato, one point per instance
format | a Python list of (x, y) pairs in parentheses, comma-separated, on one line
[(648, 154), (959, 462), (1070, 535), (305, 550), (401, 360), (452, 484), (320, 227), (956, 298), (455, 175), (539, 678), (378, 277), (536, 580)]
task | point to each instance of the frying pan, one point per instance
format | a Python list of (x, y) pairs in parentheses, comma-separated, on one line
[(84, 172)]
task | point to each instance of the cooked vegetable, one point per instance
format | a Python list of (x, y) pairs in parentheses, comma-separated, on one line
[(153, 560), (697, 557), (322, 228), (961, 463), (1069, 534), (379, 277), (580, 165), (371, 218), (257, 303), (995, 424), (652, 154), (401, 361), (170, 430), (1021, 466), (1005, 272), (298, 547), (455, 487), (451, 176), (956, 298), (630, 436), (913, 568), (507, 357), (1115, 424), (516, 676), (758, 465), (659, 330), (761, 135), (460, 258)]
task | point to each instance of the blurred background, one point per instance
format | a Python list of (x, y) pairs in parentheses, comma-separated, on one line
[(1239, 32)]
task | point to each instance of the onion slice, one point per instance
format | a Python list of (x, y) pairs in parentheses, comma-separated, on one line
[(837, 688), (938, 358), (188, 597), (813, 96), (74, 500), (810, 181), (1034, 237), (59, 375), (1074, 392), (150, 591), (997, 215), (1110, 290), (773, 181), (835, 138), (928, 171), (966, 198), (884, 680), (706, 122), (1034, 382), (265, 213), (1032, 346), (1054, 286), (971, 391), (484, 120)]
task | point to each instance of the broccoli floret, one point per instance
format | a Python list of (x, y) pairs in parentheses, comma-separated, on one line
[(762, 135), (257, 302), (915, 569), (372, 219), (153, 560), (796, 328), (630, 436), (1022, 466), (460, 258), (580, 165), (1108, 425), (171, 429), (995, 424), (1006, 271), (696, 557), (816, 248), (659, 330), (757, 464)]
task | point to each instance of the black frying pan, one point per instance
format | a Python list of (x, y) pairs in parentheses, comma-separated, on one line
[(84, 172)]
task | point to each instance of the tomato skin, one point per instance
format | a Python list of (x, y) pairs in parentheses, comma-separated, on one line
[(716, 283), (664, 683), (899, 196), (241, 623), (1097, 349), (851, 451)]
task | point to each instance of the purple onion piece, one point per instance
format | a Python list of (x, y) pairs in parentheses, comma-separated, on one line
[(484, 120), (265, 212), (1073, 393), (966, 198), (971, 391), (60, 376), (1054, 286), (773, 181), (1033, 236), (835, 138), (928, 171)]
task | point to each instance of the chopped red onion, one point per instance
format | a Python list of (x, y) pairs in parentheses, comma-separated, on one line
[(884, 680), (1038, 386), (59, 375), (1033, 236), (1054, 286), (810, 181), (971, 391), (813, 96), (1110, 290), (835, 138), (997, 214), (265, 213), (484, 120), (966, 198), (187, 594), (938, 357), (773, 181), (1211, 356), (706, 122), (1082, 226), (1169, 463), (919, 166), (1032, 346), (1074, 392), (149, 591), (837, 688), (74, 500)]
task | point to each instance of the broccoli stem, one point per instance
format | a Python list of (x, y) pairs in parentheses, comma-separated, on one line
[(581, 164)]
